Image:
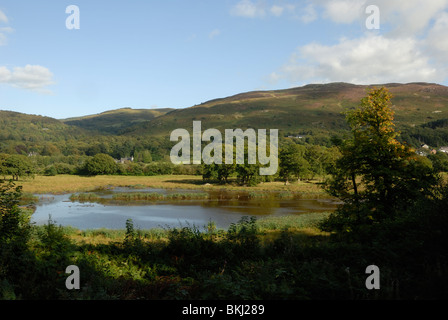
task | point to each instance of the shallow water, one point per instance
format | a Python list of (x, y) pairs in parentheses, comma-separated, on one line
[(166, 214)]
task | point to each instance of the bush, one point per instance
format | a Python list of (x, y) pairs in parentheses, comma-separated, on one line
[(50, 171), (100, 164), (158, 168)]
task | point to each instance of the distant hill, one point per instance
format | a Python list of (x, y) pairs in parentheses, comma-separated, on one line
[(315, 108), (25, 127), (313, 112), (115, 121)]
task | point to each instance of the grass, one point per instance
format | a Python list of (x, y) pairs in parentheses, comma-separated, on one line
[(158, 196), (62, 184), (108, 236), (269, 228), (306, 221), (85, 197)]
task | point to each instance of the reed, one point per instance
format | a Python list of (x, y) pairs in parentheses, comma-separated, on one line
[(158, 196), (85, 197)]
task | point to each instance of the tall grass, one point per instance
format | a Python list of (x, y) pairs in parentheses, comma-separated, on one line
[(306, 220), (158, 196), (61, 184), (85, 197)]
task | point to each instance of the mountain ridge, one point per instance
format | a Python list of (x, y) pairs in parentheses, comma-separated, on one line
[(313, 110), (313, 106)]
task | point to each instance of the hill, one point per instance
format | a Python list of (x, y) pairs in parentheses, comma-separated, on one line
[(314, 109), (314, 112), (115, 121), (25, 127)]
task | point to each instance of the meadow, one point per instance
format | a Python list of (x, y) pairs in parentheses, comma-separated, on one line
[(62, 184)]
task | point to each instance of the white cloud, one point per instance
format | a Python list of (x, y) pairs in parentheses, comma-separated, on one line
[(367, 60), (30, 77), (3, 17), (214, 33), (277, 10), (248, 9), (5, 74), (411, 45), (437, 39), (343, 11), (309, 14), (261, 9), (404, 18), (4, 30)]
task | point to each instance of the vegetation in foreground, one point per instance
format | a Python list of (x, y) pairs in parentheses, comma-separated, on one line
[(281, 258)]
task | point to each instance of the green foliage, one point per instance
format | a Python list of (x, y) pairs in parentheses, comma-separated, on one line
[(292, 163), (439, 161), (116, 121), (248, 174), (16, 166), (15, 232), (244, 234), (50, 171), (143, 156), (13, 223), (376, 176), (100, 164), (158, 168)]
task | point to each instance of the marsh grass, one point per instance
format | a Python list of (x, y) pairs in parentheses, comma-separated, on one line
[(305, 220), (63, 184), (158, 196), (85, 197), (269, 226)]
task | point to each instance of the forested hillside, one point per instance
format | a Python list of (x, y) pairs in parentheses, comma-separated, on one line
[(115, 121), (311, 117)]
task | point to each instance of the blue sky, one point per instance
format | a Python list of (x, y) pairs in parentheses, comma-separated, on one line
[(157, 54)]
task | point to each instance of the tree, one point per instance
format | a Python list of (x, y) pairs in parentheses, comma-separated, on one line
[(439, 161), (292, 162), (248, 174), (143, 156), (100, 164), (222, 171), (17, 166), (376, 176), (13, 223), (209, 171), (3, 168)]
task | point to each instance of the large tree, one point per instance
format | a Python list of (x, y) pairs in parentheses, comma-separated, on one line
[(292, 162), (101, 164), (16, 166), (377, 176)]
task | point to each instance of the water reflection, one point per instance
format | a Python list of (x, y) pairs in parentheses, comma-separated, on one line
[(223, 208)]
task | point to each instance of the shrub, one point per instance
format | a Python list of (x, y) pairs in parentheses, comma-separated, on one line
[(100, 164)]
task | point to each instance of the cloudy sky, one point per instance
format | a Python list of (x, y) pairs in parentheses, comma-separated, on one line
[(178, 53)]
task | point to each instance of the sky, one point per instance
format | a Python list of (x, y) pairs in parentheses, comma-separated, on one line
[(180, 53)]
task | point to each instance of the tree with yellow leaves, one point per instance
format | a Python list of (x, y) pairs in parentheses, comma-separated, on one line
[(377, 176)]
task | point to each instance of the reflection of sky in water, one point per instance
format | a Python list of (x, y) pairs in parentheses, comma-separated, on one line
[(164, 214)]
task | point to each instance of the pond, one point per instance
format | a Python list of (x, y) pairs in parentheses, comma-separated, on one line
[(222, 207)]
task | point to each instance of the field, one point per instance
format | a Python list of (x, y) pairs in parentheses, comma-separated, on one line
[(61, 184)]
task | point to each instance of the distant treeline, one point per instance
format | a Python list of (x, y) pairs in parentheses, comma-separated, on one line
[(434, 134), (44, 146)]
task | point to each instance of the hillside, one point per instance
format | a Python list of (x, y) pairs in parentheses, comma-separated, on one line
[(25, 127), (115, 121), (315, 109), (314, 112)]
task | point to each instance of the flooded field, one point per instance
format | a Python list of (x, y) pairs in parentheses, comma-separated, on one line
[(162, 208)]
